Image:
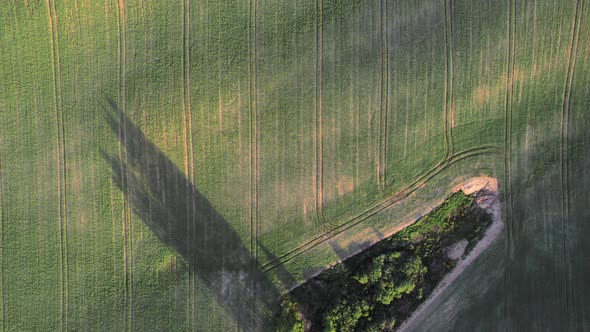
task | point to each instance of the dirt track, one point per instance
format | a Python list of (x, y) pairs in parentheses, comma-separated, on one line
[(489, 199)]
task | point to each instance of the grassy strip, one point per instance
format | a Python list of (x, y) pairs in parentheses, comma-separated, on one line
[(377, 289)]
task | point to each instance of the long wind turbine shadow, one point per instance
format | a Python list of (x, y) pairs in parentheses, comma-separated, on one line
[(172, 207)]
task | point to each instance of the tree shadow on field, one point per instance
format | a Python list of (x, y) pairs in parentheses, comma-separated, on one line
[(181, 217)]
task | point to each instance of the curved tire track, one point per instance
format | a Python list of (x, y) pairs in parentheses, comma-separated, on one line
[(483, 150)]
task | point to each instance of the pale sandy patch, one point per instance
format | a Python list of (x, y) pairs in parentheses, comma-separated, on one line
[(456, 250), (345, 185), (481, 95), (453, 115)]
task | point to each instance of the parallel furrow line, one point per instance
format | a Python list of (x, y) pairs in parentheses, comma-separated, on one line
[(318, 117), (61, 176), (254, 140), (254, 132), (508, 117), (384, 97), (381, 103), (256, 137), (121, 102), (2, 221), (564, 157), (508, 101), (451, 98), (188, 153), (384, 159), (191, 158), (448, 77)]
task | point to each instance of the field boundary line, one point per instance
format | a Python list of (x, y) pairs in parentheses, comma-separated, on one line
[(564, 157), (472, 152), (61, 166)]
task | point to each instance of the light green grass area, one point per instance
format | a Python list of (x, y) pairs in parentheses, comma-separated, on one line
[(165, 165)]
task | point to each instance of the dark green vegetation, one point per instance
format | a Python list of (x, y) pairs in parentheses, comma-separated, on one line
[(380, 287), (168, 165)]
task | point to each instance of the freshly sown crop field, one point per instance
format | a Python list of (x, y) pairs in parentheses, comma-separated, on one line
[(177, 165)]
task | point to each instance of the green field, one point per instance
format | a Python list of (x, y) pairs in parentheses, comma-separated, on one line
[(177, 165), (379, 288)]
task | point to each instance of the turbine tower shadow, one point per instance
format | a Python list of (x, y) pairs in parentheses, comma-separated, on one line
[(181, 217)]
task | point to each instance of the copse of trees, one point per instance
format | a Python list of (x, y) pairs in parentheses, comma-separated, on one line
[(345, 315), (380, 287), (288, 318)]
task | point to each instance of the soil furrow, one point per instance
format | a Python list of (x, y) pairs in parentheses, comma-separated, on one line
[(448, 108), (381, 94), (121, 104), (446, 85), (384, 159), (251, 127), (352, 223), (187, 141), (318, 129), (254, 132), (508, 122), (451, 108), (510, 227), (315, 120), (57, 94), (564, 157), (254, 137), (2, 220)]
